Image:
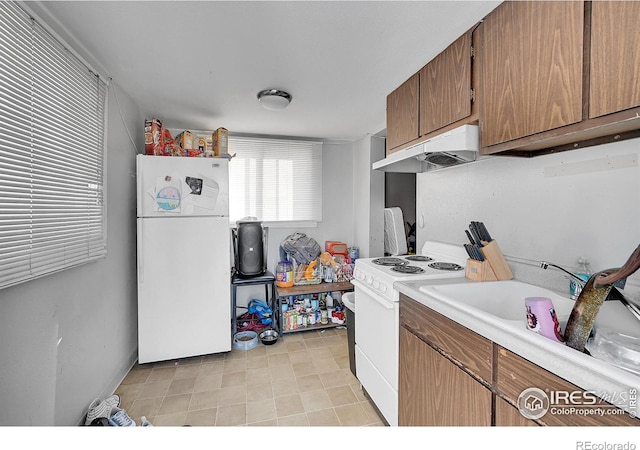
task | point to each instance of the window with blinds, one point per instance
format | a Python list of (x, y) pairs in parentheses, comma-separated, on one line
[(52, 124), (275, 180)]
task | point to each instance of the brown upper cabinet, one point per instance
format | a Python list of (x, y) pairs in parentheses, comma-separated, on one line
[(402, 114), (558, 75), (615, 57), (531, 57), (547, 76), (445, 87), (432, 99)]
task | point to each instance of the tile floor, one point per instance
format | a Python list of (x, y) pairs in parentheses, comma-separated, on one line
[(301, 380)]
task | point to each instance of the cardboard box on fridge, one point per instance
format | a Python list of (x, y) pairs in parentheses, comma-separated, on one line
[(200, 143), (152, 135), (185, 140), (220, 141)]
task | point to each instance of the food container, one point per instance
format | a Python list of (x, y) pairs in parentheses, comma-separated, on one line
[(335, 247), (152, 135), (269, 337), (185, 140), (284, 274), (200, 143), (219, 141), (245, 340)]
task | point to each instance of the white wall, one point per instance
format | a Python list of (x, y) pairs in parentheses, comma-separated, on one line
[(556, 207), (368, 194), (69, 337)]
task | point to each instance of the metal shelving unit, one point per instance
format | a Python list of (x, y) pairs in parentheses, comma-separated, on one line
[(310, 289)]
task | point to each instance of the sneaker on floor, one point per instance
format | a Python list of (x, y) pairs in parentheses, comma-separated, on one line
[(145, 422), (97, 409), (120, 418), (113, 400)]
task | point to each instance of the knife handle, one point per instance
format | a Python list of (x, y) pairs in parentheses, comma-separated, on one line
[(470, 238), (475, 233)]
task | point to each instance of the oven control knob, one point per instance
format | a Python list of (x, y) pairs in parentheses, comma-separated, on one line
[(376, 284), (383, 288), (369, 279)]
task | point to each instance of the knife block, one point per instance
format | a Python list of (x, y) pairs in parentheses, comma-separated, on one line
[(493, 255), (479, 271)]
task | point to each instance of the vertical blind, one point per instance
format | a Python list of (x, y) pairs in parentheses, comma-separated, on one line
[(275, 180), (52, 121)]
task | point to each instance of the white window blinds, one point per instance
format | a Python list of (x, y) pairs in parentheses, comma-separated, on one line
[(52, 119), (275, 180)]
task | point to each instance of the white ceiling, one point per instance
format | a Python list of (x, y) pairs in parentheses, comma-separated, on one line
[(199, 65)]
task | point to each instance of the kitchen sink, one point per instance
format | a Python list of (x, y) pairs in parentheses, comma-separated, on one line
[(501, 304), (502, 299)]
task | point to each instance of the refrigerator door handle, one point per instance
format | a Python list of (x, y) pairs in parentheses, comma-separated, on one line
[(140, 183), (140, 253)]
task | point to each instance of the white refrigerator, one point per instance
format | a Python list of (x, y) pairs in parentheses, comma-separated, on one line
[(184, 257)]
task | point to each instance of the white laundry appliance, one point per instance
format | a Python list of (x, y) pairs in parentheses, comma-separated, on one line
[(377, 323), (184, 257)]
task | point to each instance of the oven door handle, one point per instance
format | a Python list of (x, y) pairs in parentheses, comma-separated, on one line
[(386, 304)]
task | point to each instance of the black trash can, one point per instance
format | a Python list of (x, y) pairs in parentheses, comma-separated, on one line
[(349, 301)]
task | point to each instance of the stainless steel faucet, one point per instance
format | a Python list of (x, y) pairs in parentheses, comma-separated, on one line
[(580, 283)]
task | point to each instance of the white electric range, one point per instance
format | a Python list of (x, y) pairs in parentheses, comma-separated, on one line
[(377, 321)]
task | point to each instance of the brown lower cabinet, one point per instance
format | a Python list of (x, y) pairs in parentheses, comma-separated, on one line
[(509, 416), (436, 392), (451, 376)]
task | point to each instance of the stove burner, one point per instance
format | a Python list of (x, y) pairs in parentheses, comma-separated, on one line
[(407, 269), (445, 266), (419, 258), (389, 261)]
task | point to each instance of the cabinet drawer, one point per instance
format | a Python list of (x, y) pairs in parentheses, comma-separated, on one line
[(460, 344), (515, 374)]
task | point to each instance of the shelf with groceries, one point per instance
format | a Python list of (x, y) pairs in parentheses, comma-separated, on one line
[(312, 307), (158, 141), (310, 283)]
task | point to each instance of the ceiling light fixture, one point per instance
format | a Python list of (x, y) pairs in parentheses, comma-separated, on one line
[(274, 99)]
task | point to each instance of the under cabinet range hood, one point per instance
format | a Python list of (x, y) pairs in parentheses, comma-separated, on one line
[(457, 146)]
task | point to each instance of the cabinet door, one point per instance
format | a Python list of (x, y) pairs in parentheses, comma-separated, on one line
[(515, 374), (531, 56), (435, 392), (445, 87), (508, 416), (615, 57), (402, 114)]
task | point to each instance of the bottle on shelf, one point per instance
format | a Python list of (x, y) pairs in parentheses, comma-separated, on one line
[(328, 300)]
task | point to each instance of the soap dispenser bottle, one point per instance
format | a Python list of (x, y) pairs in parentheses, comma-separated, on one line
[(583, 270)]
